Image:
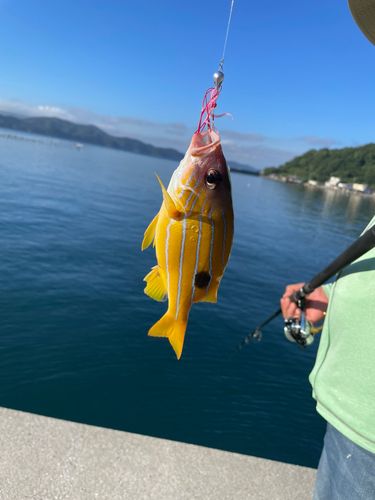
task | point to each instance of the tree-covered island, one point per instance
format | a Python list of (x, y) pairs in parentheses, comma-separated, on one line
[(351, 165)]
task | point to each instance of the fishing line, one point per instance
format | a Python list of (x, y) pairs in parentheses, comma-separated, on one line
[(207, 116), (226, 37)]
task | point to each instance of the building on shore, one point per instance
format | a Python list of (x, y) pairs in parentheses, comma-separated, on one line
[(333, 181), (363, 188), (345, 185)]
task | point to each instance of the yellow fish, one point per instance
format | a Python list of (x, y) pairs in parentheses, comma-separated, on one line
[(193, 234)]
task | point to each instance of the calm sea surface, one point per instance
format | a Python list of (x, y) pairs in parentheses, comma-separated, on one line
[(74, 318)]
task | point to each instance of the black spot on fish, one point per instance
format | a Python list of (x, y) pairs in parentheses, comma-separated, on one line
[(202, 279)]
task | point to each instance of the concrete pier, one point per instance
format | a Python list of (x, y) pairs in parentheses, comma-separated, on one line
[(43, 458)]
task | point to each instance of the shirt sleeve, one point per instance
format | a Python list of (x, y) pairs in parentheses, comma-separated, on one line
[(327, 289)]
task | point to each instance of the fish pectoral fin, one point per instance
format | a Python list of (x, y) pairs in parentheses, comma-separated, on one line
[(150, 232), (171, 328), (155, 287), (169, 204)]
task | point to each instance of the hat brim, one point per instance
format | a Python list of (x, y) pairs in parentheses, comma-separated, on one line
[(363, 12)]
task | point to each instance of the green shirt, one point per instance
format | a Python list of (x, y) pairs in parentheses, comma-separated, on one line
[(343, 378)]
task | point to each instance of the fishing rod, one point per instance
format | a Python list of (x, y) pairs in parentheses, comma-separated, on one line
[(299, 330)]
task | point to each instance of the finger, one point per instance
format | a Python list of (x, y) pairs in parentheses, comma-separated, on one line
[(290, 289), (297, 313), (285, 304), (289, 308), (294, 311), (291, 311)]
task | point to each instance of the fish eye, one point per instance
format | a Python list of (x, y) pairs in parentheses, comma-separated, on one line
[(213, 179)]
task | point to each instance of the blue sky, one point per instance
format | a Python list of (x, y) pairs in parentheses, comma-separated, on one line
[(298, 74)]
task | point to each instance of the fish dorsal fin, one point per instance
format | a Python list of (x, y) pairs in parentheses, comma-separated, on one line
[(169, 204), (150, 233), (155, 287)]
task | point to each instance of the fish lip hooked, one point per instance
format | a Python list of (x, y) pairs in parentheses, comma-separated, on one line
[(212, 145)]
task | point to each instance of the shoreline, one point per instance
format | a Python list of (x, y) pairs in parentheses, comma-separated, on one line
[(319, 187)]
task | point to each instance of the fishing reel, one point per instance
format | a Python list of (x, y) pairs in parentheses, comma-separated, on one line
[(299, 329)]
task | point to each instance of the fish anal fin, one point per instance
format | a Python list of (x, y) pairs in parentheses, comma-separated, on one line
[(171, 328), (155, 287), (169, 204), (150, 233), (212, 294)]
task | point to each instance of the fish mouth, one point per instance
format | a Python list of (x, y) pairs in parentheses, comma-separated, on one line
[(201, 144)]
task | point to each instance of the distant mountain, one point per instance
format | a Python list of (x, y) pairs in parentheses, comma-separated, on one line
[(89, 134), (350, 164), (62, 129), (240, 167)]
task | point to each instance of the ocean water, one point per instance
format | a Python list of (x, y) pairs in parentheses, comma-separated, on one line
[(74, 318)]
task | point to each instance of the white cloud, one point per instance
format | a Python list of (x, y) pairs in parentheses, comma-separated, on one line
[(50, 109), (242, 137), (21, 109), (323, 142)]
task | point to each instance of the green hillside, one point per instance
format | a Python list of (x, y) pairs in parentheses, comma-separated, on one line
[(350, 164), (62, 129)]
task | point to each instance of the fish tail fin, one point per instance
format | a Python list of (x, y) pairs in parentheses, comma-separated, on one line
[(173, 329)]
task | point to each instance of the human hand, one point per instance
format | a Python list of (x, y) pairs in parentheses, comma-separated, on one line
[(316, 304)]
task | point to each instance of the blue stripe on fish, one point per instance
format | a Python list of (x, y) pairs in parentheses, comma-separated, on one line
[(186, 184), (196, 259), (182, 251), (211, 248), (224, 236), (166, 254), (193, 192)]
